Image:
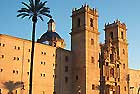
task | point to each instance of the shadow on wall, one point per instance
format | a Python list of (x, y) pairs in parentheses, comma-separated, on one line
[(10, 86)]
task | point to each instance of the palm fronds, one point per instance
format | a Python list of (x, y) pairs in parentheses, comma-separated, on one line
[(34, 8)]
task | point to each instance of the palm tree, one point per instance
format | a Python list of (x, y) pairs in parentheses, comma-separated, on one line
[(35, 9)]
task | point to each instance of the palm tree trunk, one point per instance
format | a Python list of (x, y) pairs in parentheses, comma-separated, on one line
[(32, 58)]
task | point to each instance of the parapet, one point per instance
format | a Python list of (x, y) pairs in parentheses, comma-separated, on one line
[(85, 8), (116, 23)]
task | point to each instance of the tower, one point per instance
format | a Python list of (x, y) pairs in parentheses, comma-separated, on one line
[(116, 67), (85, 50)]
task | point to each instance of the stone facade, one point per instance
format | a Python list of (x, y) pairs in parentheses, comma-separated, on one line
[(89, 68)]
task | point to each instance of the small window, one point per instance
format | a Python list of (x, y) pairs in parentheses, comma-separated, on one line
[(18, 48), (29, 50), (125, 88), (93, 87), (17, 72), (66, 68), (17, 58), (117, 65), (13, 71), (28, 60), (0, 91), (106, 63), (111, 35), (92, 59), (44, 53), (76, 77), (66, 58), (92, 41), (2, 56), (43, 75), (1, 70), (122, 35), (66, 79), (15, 47), (16, 92), (123, 51), (78, 22), (41, 52), (3, 45), (41, 62), (123, 66), (27, 73), (91, 22), (54, 76)]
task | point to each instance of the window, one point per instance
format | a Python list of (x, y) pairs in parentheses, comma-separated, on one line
[(117, 65), (66, 58), (123, 66), (112, 72), (106, 63), (92, 59), (76, 77), (18, 48), (66, 68), (13, 71), (0, 44), (17, 58), (2, 56), (27, 73), (14, 58), (93, 86), (111, 35), (29, 50), (3, 45), (125, 88), (123, 51), (28, 60), (54, 76), (91, 22), (16, 92), (43, 75), (1, 70), (66, 79), (0, 91), (92, 41), (78, 22), (122, 35), (17, 72)]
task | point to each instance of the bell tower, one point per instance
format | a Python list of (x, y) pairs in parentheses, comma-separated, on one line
[(115, 34), (85, 50)]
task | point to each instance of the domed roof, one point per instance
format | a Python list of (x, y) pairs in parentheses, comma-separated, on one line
[(49, 36)]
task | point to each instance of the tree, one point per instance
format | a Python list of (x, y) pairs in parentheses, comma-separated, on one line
[(35, 9)]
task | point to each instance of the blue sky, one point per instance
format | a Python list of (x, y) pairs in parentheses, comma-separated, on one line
[(128, 11)]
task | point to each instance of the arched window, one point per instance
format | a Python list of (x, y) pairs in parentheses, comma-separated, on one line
[(122, 35), (111, 35), (91, 22), (78, 22)]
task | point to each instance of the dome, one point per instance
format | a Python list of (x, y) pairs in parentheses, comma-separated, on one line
[(49, 36)]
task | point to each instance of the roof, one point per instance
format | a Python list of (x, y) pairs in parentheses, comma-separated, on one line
[(49, 36)]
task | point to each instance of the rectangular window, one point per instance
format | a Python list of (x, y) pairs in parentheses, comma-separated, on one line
[(122, 35), (13, 71), (66, 79), (92, 41), (2, 56), (93, 87), (92, 59), (66, 58), (123, 66), (91, 22), (66, 68), (0, 91), (1, 70), (3, 45)]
